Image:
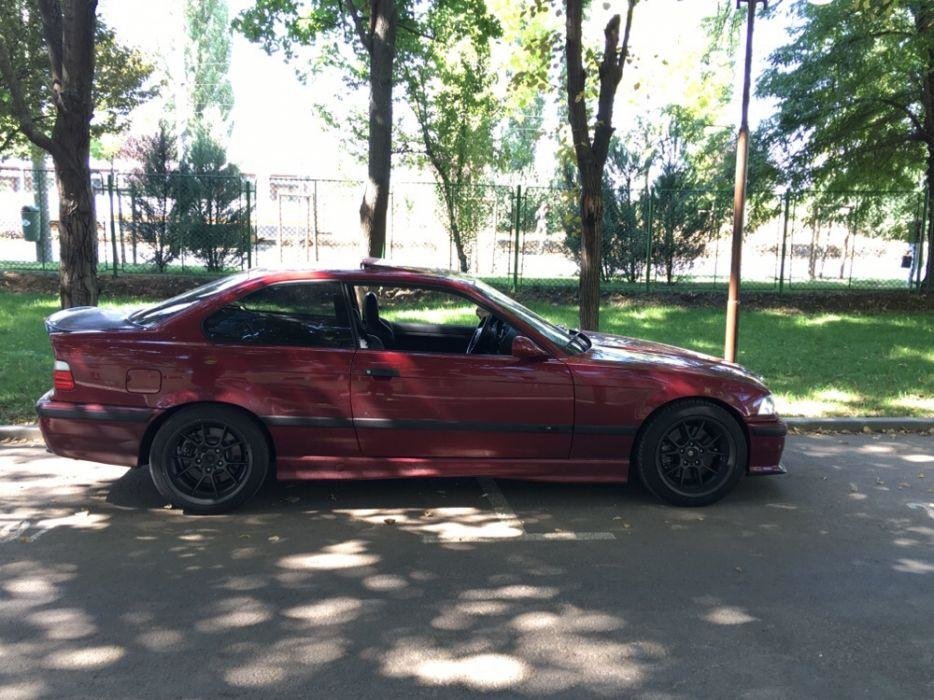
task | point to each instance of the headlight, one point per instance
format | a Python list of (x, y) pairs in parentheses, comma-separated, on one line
[(766, 406)]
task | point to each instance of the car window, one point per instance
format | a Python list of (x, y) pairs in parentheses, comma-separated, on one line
[(152, 315), (425, 319), (309, 314)]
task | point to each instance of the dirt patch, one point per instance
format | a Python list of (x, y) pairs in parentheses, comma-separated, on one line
[(156, 287), (151, 287)]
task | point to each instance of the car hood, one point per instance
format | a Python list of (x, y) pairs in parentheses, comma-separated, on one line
[(621, 349)]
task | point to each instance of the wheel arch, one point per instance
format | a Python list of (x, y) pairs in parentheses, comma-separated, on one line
[(154, 425), (633, 451)]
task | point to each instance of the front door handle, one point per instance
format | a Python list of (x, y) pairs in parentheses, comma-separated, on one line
[(381, 372)]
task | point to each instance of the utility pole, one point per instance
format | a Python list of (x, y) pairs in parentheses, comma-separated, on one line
[(739, 191)]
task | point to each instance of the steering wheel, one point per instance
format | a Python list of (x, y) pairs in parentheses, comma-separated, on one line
[(478, 334)]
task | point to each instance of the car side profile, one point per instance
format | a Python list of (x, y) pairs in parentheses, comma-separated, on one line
[(383, 372)]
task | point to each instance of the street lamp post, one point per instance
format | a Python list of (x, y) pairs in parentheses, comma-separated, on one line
[(739, 191)]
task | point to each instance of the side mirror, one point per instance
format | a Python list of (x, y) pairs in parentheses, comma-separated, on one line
[(525, 349)]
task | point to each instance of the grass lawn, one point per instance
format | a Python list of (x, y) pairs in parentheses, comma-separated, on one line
[(817, 365)]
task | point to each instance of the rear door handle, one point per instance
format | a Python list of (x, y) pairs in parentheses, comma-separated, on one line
[(381, 372)]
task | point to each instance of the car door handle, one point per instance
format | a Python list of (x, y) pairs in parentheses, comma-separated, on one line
[(381, 372)]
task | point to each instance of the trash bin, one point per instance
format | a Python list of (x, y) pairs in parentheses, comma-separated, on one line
[(32, 223)]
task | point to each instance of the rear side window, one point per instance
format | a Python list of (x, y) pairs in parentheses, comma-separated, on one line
[(307, 314)]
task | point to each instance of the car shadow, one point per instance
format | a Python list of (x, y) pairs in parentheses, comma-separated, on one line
[(135, 490)]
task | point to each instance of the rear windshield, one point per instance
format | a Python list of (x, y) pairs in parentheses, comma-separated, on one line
[(152, 315)]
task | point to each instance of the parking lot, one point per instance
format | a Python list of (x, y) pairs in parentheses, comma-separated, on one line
[(819, 583)]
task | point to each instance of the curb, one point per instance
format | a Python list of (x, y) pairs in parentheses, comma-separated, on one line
[(20, 432), (861, 425), (801, 425)]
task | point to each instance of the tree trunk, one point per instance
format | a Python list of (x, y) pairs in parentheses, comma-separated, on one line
[(40, 191), (591, 205), (77, 227), (455, 229), (375, 203)]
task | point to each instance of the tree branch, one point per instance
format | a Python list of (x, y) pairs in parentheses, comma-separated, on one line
[(366, 38), (20, 111), (50, 12), (577, 81), (611, 73)]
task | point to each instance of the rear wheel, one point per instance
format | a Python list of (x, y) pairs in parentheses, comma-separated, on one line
[(692, 453), (208, 459)]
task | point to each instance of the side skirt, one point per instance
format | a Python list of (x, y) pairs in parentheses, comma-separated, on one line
[(566, 470)]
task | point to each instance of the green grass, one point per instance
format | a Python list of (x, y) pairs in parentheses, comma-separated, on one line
[(824, 364)]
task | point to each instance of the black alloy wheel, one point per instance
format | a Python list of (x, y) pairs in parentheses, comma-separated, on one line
[(209, 459), (691, 453)]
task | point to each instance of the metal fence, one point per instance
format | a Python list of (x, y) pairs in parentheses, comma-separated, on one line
[(518, 235)]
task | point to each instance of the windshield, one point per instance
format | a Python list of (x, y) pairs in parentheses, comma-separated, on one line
[(152, 315), (572, 341)]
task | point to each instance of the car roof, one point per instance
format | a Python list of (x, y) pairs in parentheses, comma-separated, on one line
[(379, 268)]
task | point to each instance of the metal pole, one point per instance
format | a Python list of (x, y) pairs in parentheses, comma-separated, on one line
[(315, 216), (113, 230), (249, 228), (648, 235), (307, 224), (731, 339), (515, 250), (279, 238), (781, 272)]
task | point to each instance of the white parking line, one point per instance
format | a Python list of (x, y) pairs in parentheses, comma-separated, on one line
[(514, 529)]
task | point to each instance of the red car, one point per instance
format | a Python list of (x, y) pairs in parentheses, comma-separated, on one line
[(391, 372)]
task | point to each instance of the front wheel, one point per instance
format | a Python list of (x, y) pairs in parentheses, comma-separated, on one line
[(691, 453), (208, 459)]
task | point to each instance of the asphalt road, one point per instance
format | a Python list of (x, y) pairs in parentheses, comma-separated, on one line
[(819, 583)]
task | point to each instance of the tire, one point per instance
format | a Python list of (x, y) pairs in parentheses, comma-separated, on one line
[(691, 453), (209, 459)]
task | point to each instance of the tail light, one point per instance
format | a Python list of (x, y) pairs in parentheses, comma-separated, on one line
[(62, 378)]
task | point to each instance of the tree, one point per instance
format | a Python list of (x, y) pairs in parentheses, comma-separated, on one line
[(210, 212), (855, 86), (591, 153), (154, 188), (57, 64), (207, 64), (448, 86), (624, 241), (371, 27)]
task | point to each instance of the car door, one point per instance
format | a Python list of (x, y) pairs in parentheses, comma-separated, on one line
[(285, 351), (442, 404)]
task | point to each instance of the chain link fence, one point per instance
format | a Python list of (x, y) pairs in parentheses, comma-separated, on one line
[(656, 240)]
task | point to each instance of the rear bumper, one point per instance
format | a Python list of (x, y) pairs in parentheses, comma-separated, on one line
[(766, 444), (109, 434)]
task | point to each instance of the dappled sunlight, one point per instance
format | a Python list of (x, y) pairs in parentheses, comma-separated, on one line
[(912, 404), (332, 611), (230, 613), (729, 615), (346, 555), (84, 659), (914, 566), (477, 671), (444, 523)]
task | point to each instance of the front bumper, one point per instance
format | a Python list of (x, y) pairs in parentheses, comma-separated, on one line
[(766, 444), (94, 432)]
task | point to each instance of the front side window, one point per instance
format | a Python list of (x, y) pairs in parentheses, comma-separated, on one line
[(424, 319), (306, 314)]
